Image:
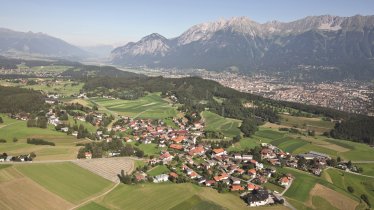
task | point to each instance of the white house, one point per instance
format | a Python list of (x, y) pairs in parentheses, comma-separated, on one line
[(161, 178)]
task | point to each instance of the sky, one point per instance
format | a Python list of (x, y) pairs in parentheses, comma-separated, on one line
[(115, 22)]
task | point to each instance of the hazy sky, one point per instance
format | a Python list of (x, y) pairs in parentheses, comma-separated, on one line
[(90, 22)]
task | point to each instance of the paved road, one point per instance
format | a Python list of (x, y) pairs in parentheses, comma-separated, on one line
[(363, 161), (61, 161), (286, 203), (351, 172)]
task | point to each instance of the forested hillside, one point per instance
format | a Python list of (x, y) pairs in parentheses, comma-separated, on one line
[(14, 100)]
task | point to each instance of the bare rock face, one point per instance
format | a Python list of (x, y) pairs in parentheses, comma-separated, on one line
[(338, 42)]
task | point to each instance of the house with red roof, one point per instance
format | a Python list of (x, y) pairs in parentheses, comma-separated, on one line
[(176, 146), (236, 187), (284, 181), (197, 151), (219, 152)]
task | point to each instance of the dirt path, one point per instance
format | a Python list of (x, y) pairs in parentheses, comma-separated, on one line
[(3, 126), (96, 197)]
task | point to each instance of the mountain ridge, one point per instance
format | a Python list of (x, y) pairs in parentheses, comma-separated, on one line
[(13, 43), (333, 41)]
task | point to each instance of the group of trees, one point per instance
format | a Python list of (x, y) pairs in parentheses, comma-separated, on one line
[(249, 127), (16, 100), (39, 142), (97, 149), (357, 128), (40, 122)]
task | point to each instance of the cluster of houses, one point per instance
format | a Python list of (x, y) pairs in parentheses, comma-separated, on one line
[(146, 131), (207, 166), (18, 158), (314, 162)]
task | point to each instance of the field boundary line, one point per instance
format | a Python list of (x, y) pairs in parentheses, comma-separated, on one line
[(96, 197)]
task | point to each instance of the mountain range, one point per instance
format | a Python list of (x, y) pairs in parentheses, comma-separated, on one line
[(320, 45), (21, 44)]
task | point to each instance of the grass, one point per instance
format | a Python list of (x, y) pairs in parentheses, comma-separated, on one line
[(161, 169), (306, 123), (150, 149), (229, 127), (320, 203), (269, 134), (244, 143), (67, 180), (150, 106), (91, 128), (93, 206), (168, 195), (65, 145), (152, 196), (2, 166), (139, 163), (301, 186), (367, 167), (361, 184), (273, 187), (195, 202)]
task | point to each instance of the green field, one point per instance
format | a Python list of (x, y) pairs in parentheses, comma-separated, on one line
[(162, 169), (306, 123), (67, 180), (172, 196), (361, 184), (64, 88), (229, 127), (87, 125), (304, 182), (65, 145), (150, 106), (195, 202), (296, 144), (367, 167), (357, 151), (93, 206), (321, 203)]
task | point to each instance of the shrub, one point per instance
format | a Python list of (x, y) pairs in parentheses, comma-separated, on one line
[(350, 189), (2, 141)]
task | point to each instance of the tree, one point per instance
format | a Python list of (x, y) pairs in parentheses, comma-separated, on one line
[(15, 139), (301, 162), (364, 197), (350, 189), (349, 164), (81, 153), (1, 120), (248, 127), (338, 159), (64, 116)]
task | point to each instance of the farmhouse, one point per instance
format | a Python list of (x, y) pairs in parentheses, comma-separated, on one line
[(258, 198), (284, 181), (311, 155)]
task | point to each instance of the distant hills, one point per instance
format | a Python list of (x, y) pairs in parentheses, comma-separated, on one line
[(21, 44), (335, 46)]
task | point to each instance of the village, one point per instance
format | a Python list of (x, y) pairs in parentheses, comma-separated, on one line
[(188, 156)]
